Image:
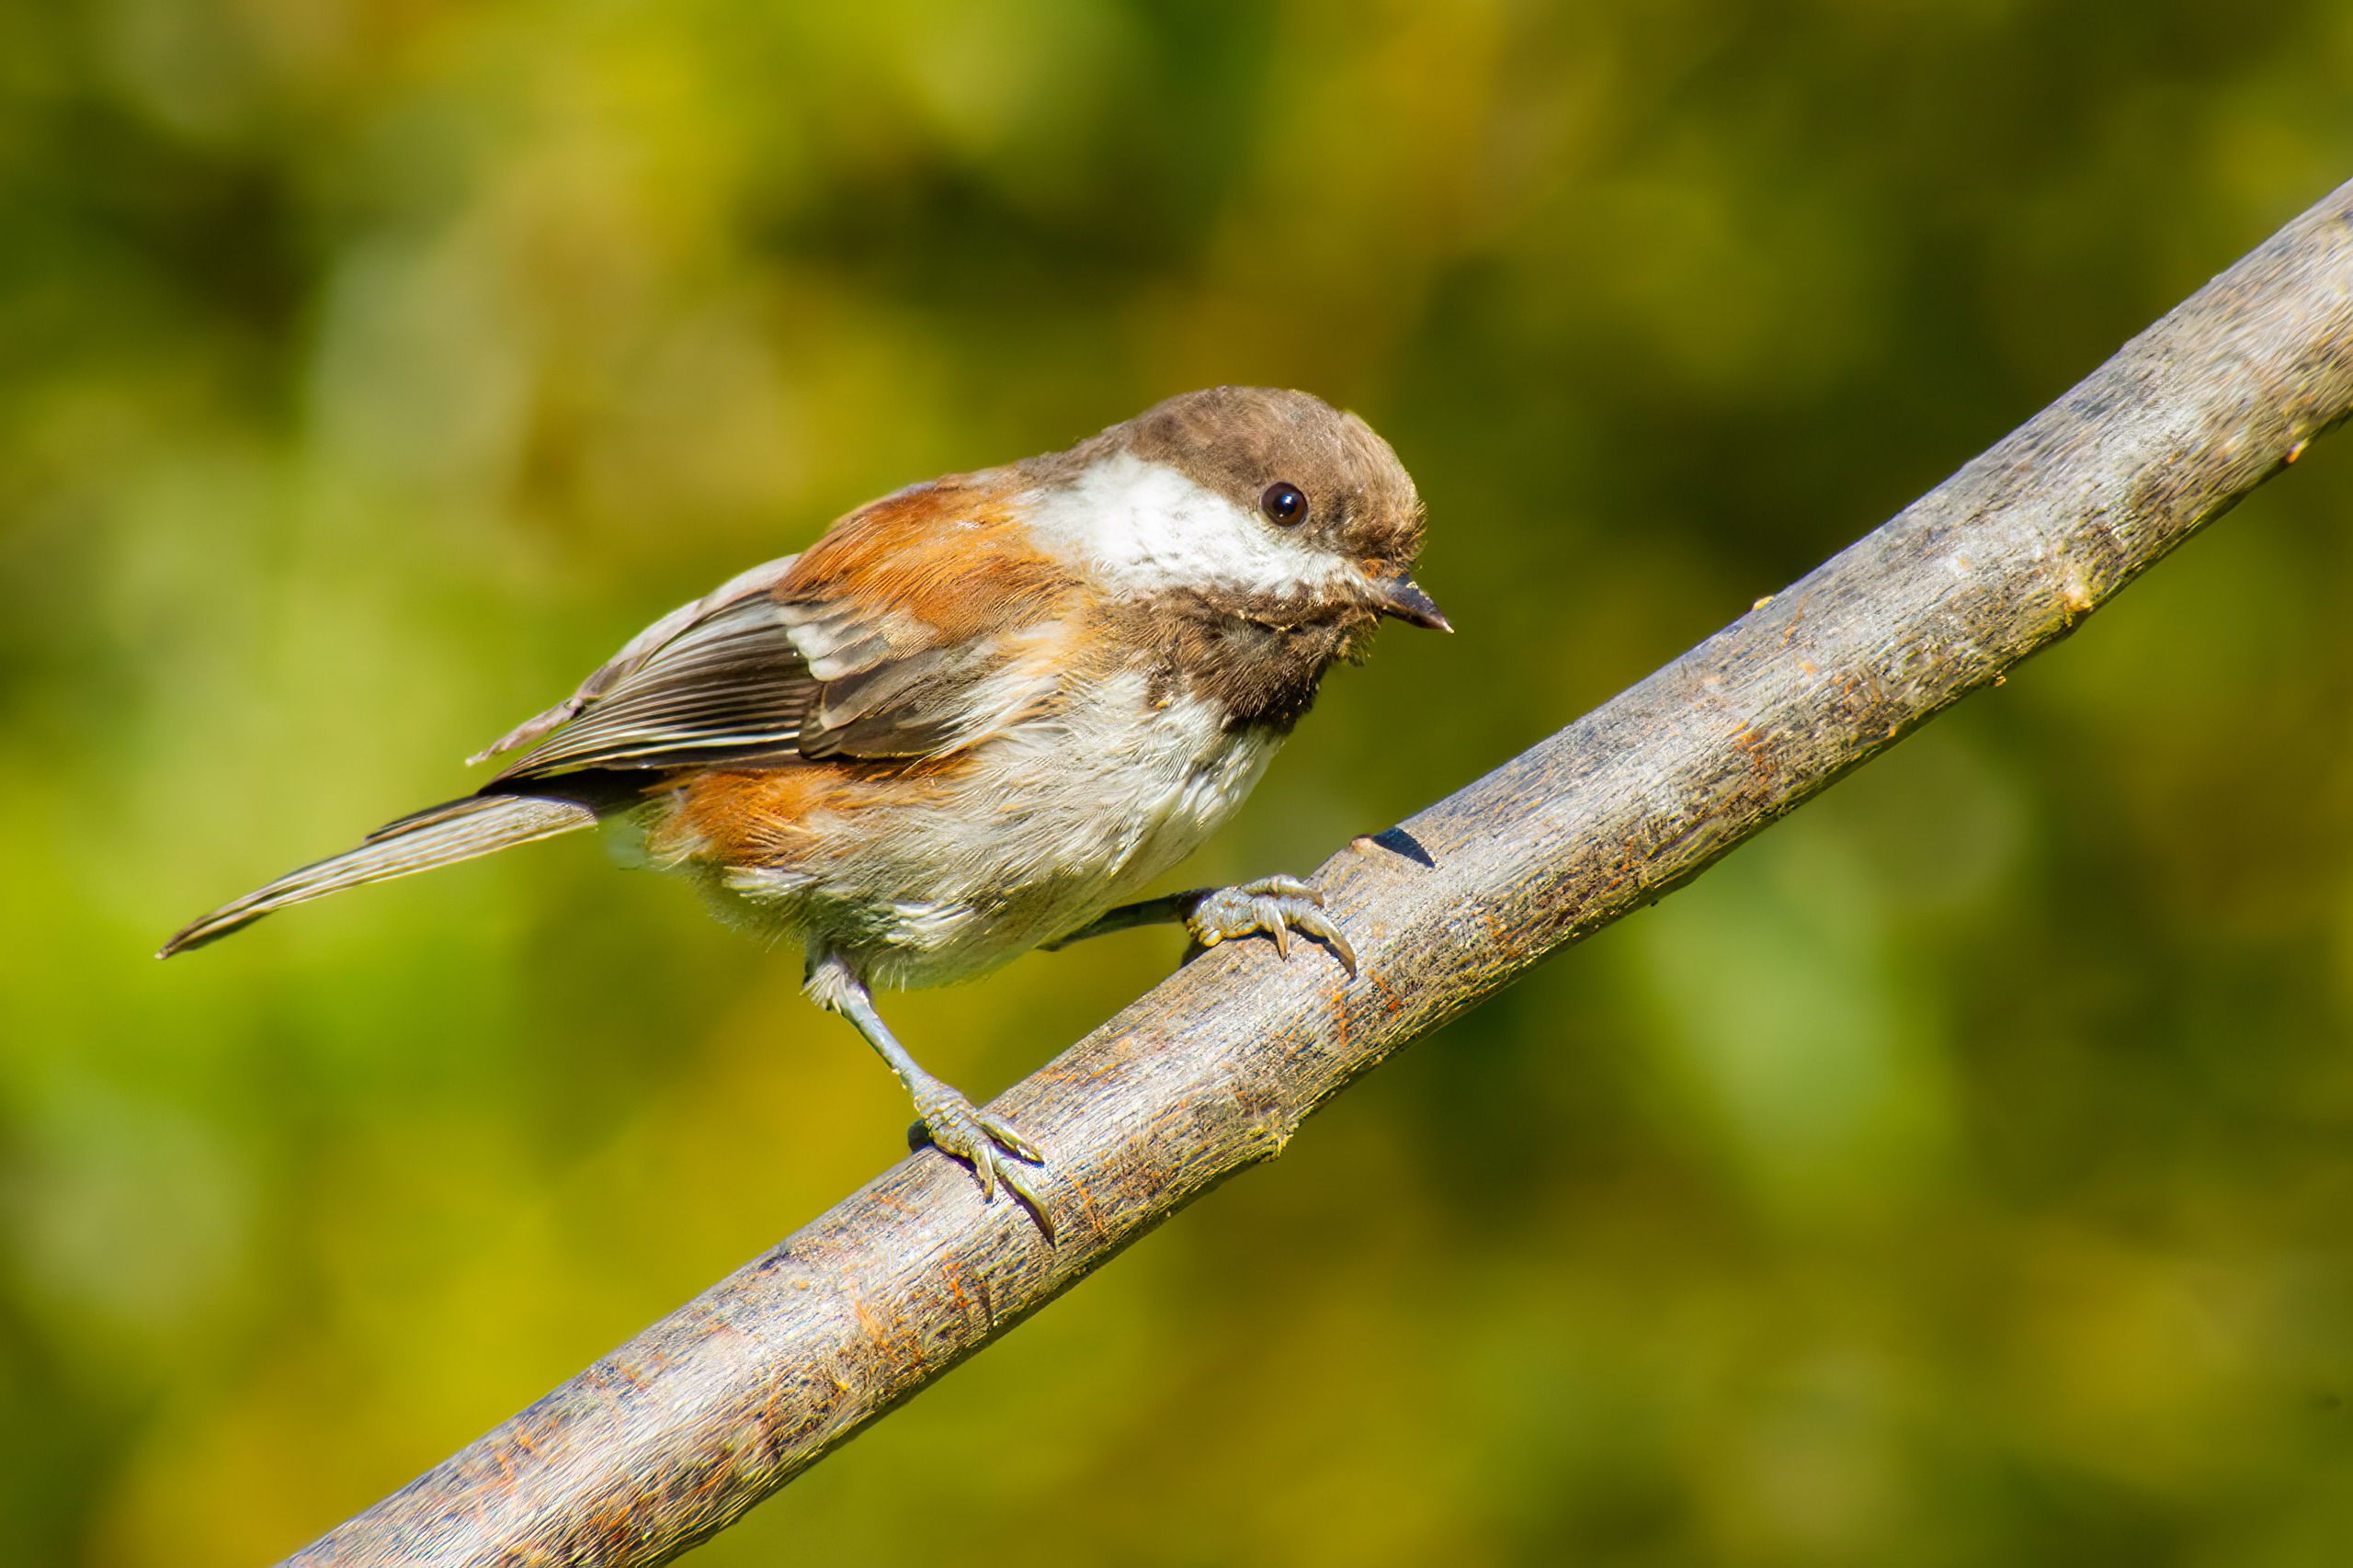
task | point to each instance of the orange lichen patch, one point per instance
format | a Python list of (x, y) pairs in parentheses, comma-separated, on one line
[(2077, 594), (867, 1320), (954, 553)]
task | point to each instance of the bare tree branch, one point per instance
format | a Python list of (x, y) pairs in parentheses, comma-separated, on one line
[(677, 1432)]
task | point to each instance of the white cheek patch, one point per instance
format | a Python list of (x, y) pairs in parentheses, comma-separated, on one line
[(1143, 526)]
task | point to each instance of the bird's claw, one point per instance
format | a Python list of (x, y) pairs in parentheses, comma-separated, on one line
[(990, 1144), (1276, 905)]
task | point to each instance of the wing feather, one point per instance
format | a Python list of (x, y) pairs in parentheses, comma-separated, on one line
[(737, 687), (790, 662), (730, 684), (637, 651)]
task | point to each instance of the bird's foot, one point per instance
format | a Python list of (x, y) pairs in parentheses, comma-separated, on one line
[(1276, 905), (990, 1144)]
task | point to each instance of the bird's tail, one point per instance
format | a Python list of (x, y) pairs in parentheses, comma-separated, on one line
[(438, 835)]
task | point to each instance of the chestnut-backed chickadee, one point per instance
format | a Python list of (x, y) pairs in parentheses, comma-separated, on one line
[(974, 714)]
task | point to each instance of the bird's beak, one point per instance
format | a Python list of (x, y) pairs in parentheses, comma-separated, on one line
[(1402, 598)]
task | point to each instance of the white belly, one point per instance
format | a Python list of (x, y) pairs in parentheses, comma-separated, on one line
[(1058, 820)]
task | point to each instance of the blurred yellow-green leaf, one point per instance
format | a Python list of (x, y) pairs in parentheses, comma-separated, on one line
[(1957, 1175)]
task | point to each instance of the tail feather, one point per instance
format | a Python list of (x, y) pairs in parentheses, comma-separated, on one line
[(440, 835)]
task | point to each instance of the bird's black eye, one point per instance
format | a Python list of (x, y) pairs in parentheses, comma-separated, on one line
[(1284, 504)]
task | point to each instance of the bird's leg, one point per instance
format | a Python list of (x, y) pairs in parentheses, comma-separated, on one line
[(1276, 905), (953, 1124)]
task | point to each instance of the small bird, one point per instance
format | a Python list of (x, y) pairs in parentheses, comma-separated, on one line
[(973, 715)]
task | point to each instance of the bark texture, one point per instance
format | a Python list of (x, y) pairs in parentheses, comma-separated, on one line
[(677, 1432)]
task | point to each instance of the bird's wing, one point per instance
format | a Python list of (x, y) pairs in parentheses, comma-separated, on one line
[(636, 653), (796, 661)]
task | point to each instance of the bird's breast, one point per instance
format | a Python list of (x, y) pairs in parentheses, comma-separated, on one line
[(936, 872)]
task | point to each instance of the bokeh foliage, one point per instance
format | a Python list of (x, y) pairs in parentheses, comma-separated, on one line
[(1957, 1175)]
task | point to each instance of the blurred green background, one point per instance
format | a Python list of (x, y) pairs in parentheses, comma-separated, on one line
[(1961, 1174)]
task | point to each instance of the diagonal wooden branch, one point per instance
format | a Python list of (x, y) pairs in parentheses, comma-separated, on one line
[(677, 1432)]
